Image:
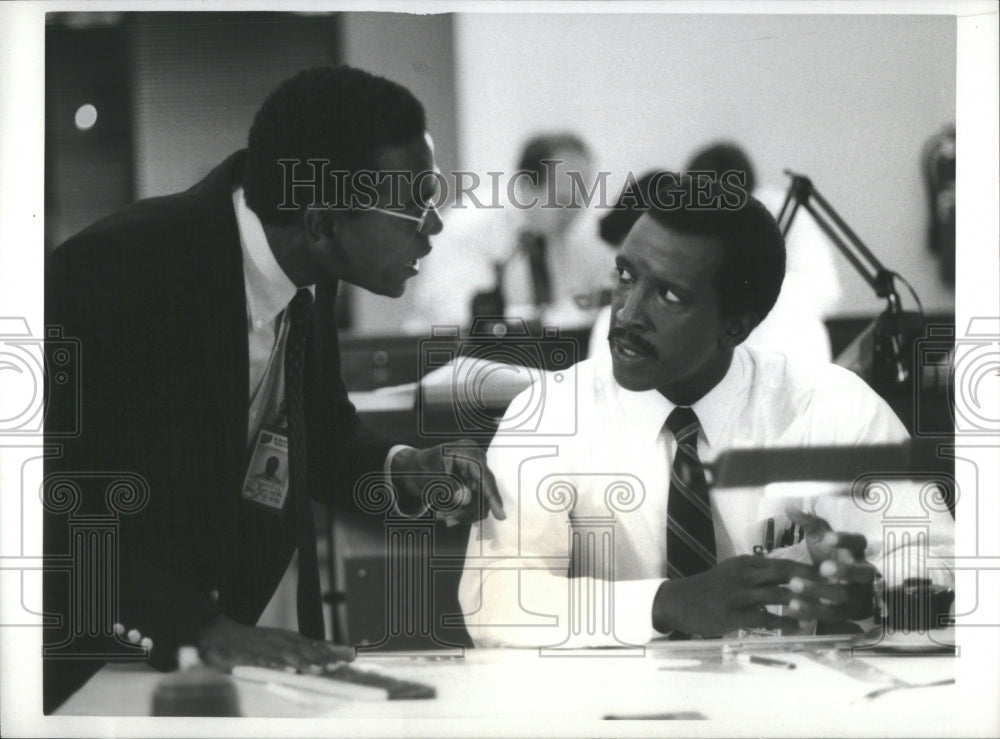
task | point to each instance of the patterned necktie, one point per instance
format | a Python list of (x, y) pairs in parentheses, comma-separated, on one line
[(690, 534), (308, 599), (541, 279)]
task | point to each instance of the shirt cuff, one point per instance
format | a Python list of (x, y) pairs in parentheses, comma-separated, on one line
[(634, 610), (398, 506)]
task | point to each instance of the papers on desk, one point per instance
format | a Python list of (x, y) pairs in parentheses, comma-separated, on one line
[(472, 382), (477, 383), (366, 683), (395, 398), (666, 648)]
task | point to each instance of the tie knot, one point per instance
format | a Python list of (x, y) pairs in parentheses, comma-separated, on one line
[(683, 423)]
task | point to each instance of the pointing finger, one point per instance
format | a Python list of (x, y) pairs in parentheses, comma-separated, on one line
[(479, 477)]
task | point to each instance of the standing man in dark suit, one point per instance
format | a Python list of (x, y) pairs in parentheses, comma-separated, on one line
[(208, 344)]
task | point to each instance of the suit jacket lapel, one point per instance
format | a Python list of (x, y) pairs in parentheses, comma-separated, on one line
[(223, 327)]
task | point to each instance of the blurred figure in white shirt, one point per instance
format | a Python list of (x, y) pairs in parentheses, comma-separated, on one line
[(535, 255)]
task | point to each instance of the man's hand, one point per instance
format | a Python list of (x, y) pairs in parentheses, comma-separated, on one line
[(223, 644), (841, 560), (731, 595), (452, 478)]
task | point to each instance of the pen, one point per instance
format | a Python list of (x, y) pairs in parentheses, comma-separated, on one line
[(769, 535), (754, 659)]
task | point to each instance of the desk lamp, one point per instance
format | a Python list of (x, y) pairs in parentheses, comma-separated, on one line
[(881, 354)]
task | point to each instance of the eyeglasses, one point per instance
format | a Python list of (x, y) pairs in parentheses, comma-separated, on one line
[(419, 220)]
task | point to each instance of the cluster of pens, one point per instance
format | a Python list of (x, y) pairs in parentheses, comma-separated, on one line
[(792, 534)]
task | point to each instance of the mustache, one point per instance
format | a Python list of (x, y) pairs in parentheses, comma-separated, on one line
[(637, 341)]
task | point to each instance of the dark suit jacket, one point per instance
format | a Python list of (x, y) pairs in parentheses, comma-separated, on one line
[(156, 297)]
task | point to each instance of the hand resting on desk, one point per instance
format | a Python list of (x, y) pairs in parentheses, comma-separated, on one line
[(731, 595), (224, 644), (734, 594)]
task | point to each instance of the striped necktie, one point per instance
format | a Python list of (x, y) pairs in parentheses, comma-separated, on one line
[(690, 534), (308, 598)]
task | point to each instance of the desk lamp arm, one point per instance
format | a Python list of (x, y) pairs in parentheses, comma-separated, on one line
[(801, 192)]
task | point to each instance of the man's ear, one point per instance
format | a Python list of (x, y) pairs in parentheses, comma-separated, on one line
[(320, 226), (739, 328)]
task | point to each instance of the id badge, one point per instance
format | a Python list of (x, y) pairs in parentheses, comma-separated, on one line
[(266, 481)]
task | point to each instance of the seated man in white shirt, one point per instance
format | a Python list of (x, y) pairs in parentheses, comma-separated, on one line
[(612, 536)]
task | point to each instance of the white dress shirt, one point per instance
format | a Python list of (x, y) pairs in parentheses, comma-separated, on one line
[(593, 460), (268, 291)]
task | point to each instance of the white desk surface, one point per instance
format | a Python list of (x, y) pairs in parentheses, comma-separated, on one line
[(825, 686)]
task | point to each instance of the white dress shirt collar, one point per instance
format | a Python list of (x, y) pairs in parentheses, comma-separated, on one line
[(269, 290), (715, 409), (647, 410)]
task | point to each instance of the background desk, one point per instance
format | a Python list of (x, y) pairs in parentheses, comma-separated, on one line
[(823, 695)]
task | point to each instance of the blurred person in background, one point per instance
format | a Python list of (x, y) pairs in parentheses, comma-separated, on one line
[(535, 256), (811, 289)]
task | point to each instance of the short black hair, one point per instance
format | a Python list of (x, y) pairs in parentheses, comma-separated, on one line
[(544, 146), (721, 157), (341, 115), (753, 268), (632, 203)]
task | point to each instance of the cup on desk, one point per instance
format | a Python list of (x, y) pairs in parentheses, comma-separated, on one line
[(916, 605)]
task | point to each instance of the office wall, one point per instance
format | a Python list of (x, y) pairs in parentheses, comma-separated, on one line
[(849, 101), (198, 79), (416, 51)]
